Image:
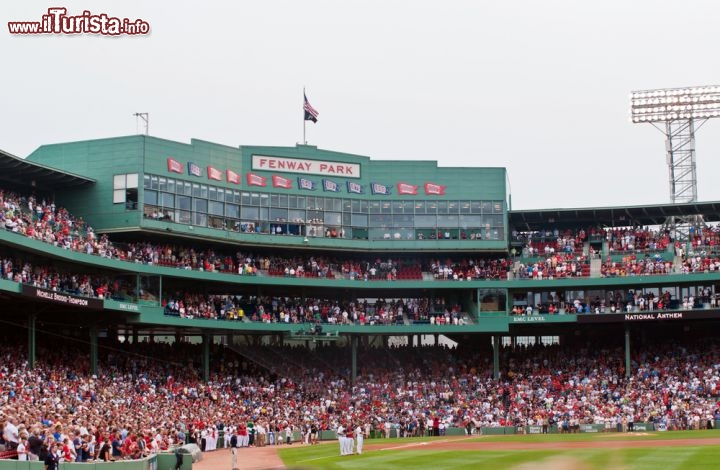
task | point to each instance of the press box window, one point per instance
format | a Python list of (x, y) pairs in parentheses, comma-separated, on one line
[(125, 190)]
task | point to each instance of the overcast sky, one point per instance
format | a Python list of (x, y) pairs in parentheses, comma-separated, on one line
[(541, 88)]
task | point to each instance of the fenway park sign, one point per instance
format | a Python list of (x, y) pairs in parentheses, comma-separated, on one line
[(308, 167), (648, 316), (61, 298)]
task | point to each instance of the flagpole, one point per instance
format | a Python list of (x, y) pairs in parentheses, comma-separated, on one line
[(304, 120)]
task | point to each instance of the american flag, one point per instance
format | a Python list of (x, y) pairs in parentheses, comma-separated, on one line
[(310, 113)]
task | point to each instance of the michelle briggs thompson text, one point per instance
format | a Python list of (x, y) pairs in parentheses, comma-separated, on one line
[(57, 21)]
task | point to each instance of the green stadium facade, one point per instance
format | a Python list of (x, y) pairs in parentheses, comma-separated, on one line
[(304, 201)]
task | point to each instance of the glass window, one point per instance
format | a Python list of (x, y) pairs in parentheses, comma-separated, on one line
[(132, 181), (476, 207), (397, 207), (359, 220), (153, 182), (118, 196), (471, 221), (278, 214), (364, 206), (452, 207), (249, 213), (292, 202), (333, 218), (232, 210), (119, 182), (162, 184), (442, 207), (245, 199), (301, 202), (386, 207), (150, 197), (167, 200), (200, 205), (196, 190), (203, 191), (380, 220), (237, 197), (187, 189), (264, 213), (171, 185), (283, 200), (425, 221), (431, 207), (464, 207), (419, 207), (347, 205), (374, 207), (199, 219), (497, 207), (295, 215), (336, 204), (183, 202), (274, 200), (402, 220), (447, 220), (315, 216), (264, 200), (216, 208), (255, 199), (146, 181), (346, 218), (183, 217), (355, 205), (212, 193), (486, 207)]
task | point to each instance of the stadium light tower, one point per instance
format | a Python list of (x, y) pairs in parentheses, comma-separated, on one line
[(678, 113)]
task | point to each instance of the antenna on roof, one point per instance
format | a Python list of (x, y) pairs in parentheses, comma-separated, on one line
[(145, 117)]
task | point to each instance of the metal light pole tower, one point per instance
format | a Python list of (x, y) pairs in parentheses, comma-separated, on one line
[(678, 113)]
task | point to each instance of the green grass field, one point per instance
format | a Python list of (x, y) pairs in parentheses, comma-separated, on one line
[(418, 453)]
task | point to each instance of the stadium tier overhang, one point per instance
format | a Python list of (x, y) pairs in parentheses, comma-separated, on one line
[(540, 219), (17, 171)]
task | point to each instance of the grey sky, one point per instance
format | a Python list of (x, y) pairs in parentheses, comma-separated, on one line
[(541, 88)]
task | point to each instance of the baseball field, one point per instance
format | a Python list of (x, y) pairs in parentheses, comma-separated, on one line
[(618, 451)]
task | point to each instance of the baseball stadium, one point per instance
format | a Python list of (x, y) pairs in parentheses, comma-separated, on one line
[(199, 305)]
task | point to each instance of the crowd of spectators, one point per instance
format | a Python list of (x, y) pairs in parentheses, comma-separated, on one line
[(556, 266), (48, 277), (151, 391), (307, 310)]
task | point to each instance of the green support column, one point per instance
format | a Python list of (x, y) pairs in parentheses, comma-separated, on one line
[(93, 349), (496, 356), (354, 344), (627, 351), (31, 340), (160, 293), (207, 339)]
